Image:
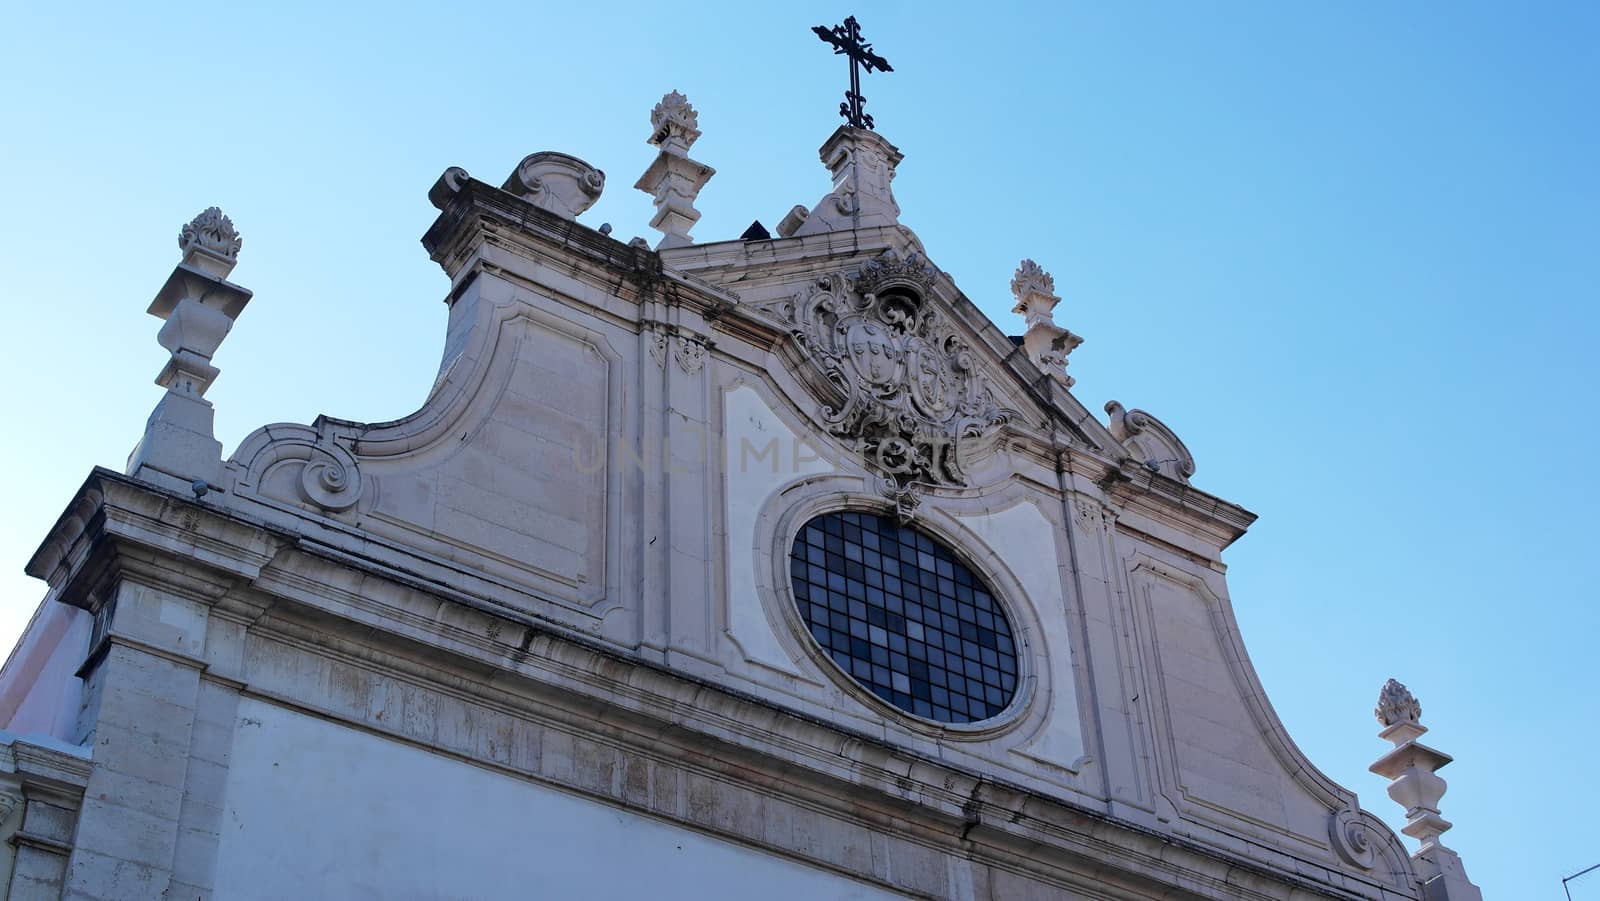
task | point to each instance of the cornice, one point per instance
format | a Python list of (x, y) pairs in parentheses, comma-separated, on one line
[(478, 213), (41, 770), (1168, 500), (119, 526)]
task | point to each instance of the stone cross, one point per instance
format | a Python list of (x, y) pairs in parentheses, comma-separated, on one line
[(846, 40)]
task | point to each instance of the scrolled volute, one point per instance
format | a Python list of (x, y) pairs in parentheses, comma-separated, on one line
[(1351, 838), (331, 479)]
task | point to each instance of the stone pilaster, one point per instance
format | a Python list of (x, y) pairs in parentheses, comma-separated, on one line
[(147, 677)]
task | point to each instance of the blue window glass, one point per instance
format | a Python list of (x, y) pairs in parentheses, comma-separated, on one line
[(891, 642)]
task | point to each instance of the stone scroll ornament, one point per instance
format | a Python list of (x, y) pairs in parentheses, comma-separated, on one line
[(906, 393)]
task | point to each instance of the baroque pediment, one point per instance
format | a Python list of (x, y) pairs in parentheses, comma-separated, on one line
[(896, 381)]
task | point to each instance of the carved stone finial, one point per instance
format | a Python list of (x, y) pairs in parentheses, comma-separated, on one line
[(1396, 704), (213, 231), (1415, 785), (674, 180), (557, 182), (210, 242), (198, 306), (1034, 290), (1047, 344), (675, 125)]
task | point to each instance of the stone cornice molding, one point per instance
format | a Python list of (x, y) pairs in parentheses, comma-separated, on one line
[(1134, 487), (117, 527), (475, 213), (46, 765), (40, 771)]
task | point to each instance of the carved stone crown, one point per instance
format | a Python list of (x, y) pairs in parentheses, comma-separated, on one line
[(673, 118), (897, 382), (891, 270), (212, 232), (1396, 704)]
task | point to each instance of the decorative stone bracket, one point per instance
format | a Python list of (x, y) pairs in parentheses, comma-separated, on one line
[(321, 471), (688, 349), (557, 183), (1150, 442)]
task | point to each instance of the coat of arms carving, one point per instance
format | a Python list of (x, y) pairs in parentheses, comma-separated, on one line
[(905, 391)]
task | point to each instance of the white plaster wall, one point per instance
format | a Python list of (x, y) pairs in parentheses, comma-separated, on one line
[(317, 810), (762, 455), (39, 689), (1024, 539), (1224, 759)]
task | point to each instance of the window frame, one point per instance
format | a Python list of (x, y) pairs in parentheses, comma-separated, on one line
[(865, 583), (973, 552)]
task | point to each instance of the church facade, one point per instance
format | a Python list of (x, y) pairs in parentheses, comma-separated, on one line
[(764, 566)]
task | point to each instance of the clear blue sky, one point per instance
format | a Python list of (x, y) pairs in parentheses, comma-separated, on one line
[(1347, 251)]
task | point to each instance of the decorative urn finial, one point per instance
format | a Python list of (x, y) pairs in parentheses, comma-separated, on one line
[(1415, 785), (1396, 704), (1034, 289), (198, 306), (675, 124), (1045, 343), (674, 180), (211, 236)]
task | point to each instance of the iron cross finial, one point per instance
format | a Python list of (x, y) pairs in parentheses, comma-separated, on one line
[(846, 39)]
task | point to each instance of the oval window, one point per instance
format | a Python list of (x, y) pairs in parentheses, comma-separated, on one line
[(899, 613)]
